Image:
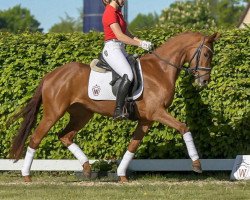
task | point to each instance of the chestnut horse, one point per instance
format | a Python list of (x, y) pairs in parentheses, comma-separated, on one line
[(65, 89)]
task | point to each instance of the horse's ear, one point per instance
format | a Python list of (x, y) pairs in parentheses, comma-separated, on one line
[(214, 37)]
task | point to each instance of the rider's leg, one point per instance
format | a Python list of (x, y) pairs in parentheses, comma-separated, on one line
[(115, 55), (120, 97)]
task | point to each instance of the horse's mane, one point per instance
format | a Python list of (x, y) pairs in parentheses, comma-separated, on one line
[(182, 36), (185, 34), (189, 33)]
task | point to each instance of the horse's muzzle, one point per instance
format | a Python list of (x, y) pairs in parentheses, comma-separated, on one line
[(201, 82)]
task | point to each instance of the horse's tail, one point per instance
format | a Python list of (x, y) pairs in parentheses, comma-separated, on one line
[(29, 114)]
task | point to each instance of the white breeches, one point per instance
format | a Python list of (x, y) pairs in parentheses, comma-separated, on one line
[(115, 55)]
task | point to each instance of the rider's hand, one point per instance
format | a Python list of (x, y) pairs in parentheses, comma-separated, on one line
[(146, 45)]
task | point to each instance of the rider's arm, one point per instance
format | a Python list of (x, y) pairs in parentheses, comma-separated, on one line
[(132, 36), (123, 37)]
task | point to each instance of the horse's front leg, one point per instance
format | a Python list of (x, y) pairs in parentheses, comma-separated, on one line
[(138, 135), (165, 118)]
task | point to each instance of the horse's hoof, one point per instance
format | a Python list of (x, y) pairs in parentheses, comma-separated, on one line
[(196, 166), (27, 179), (87, 170), (123, 179), (87, 174)]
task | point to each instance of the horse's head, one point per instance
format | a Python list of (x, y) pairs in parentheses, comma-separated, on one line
[(199, 57)]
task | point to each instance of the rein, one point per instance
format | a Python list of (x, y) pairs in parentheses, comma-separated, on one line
[(197, 55)]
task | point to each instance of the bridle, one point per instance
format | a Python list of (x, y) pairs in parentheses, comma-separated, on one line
[(197, 56)]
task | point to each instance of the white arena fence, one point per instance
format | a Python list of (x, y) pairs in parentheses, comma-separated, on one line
[(239, 167), (135, 165)]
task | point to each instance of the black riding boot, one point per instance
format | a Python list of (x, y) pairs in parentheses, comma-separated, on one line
[(120, 98)]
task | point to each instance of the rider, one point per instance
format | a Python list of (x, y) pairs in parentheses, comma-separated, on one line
[(116, 36)]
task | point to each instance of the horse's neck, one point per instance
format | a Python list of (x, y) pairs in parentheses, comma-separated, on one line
[(173, 54), (174, 51)]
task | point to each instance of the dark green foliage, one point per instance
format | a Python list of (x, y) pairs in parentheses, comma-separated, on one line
[(104, 166), (227, 13), (218, 115), (198, 14), (144, 21), (67, 25), (18, 19)]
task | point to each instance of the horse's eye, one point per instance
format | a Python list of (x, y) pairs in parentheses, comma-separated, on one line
[(206, 55)]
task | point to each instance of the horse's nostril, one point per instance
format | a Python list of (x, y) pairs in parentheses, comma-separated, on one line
[(205, 81)]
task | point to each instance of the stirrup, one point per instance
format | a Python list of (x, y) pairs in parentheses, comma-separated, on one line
[(122, 115)]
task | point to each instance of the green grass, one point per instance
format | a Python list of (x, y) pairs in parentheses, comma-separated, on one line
[(169, 186)]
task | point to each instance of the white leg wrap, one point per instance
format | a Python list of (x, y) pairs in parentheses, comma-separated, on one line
[(77, 152), (28, 161), (121, 170), (190, 146)]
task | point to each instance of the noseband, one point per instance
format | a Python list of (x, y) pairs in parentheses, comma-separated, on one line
[(197, 56)]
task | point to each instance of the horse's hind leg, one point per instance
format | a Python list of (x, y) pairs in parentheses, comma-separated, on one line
[(138, 135), (78, 118), (36, 138)]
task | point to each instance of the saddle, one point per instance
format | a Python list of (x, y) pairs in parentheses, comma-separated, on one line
[(101, 66)]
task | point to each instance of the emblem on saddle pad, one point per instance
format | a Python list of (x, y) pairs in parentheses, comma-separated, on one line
[(96, 90), (104, 82)]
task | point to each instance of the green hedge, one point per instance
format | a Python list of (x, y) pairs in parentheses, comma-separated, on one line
[(218, 115)]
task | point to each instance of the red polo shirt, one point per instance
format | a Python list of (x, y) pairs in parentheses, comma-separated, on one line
[(110, 16)]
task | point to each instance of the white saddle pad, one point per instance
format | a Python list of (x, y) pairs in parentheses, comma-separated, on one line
[(100, 89)]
